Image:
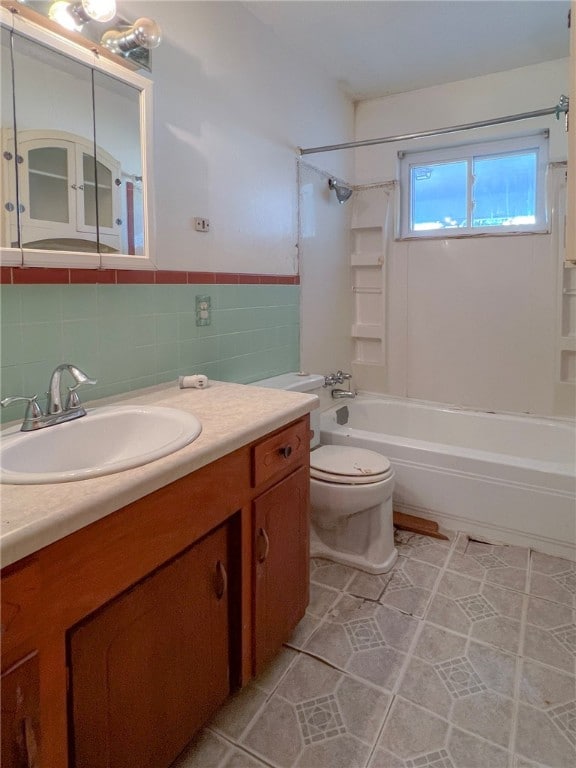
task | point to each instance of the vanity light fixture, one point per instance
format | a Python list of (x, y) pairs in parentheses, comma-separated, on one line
[(144, 33), (73, 15)]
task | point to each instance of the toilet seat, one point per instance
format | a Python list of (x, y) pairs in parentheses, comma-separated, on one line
[(348, 466)]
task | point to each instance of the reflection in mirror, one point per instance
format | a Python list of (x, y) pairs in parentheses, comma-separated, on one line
[(120, 193), (55, 141), (9, 192)]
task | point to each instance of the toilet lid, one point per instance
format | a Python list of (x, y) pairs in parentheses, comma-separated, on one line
[(346, 465)]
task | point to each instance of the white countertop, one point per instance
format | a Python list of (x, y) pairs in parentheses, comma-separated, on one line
[(232, 415)]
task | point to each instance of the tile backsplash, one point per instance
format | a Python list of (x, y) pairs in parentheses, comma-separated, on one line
[(133, 336)]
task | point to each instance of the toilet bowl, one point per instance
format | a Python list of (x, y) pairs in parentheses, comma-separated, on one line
[(350, 495), (351, 507)]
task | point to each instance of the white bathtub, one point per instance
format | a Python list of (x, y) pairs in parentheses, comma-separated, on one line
[(504, 477)]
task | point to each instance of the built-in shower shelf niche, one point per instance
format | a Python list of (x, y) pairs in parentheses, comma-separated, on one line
[(366, 234), (366, 263), (367, 307), (366, 331), (367, 259), (367, 246), (368, 351), (567, 341), (568, 366), (565, 357), (367, 277), (569, 312)]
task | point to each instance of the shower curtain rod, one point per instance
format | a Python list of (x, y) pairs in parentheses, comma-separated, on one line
[(560, 108)]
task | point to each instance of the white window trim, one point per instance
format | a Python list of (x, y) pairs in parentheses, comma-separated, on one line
[(460, 152)]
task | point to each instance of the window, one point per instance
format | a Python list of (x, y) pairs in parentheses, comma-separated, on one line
[(493, 187)]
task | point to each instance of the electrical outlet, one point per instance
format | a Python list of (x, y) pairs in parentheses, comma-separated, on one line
[(201, 225), (203, 310)]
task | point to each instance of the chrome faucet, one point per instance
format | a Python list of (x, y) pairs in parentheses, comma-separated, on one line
[(336, 378), (339, 378), (54, 404), (339, 393), (35, 418)]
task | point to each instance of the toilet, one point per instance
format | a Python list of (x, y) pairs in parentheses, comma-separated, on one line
[(350, 494)]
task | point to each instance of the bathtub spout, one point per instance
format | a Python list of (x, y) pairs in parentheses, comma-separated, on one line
[(339, 393)]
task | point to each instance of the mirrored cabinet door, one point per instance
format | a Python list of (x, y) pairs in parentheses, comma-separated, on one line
[(9, 214), (54, 121), (74, 153), (118, 133)]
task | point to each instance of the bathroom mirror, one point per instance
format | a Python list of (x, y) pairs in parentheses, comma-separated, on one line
[(73, 151)]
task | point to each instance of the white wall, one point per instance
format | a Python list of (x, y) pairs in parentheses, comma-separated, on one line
[(469, 321), (325, 306), (232, 104), (464, 101)]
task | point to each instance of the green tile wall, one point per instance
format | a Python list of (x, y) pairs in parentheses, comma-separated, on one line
[(133, 336)]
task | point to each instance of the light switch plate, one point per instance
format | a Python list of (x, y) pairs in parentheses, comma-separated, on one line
[(201, 225)]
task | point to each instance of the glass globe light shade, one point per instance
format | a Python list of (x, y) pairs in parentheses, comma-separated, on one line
[(60, 13), (100, 10), (144, 33), (147, 33)]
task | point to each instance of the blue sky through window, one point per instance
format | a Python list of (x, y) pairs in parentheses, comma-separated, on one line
[(503, 188)]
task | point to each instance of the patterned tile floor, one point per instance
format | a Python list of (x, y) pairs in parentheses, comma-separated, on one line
[(462, 657)]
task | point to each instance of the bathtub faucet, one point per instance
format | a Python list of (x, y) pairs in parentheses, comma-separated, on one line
[(339, 393), (336, 378), (339, 378)]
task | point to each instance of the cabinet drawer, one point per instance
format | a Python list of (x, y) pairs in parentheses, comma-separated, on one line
[(281, 453)]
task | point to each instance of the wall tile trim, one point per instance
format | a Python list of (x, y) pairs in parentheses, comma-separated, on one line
[(57, 276)]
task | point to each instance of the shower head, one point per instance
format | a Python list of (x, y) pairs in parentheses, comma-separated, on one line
[(342, 193)]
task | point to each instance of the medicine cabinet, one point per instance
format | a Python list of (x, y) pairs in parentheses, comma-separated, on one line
[(75, 154)]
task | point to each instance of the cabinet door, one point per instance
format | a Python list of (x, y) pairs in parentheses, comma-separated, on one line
[(100, 178), (48, 189), (282, 550), (60, 180), (151, 667), (21, 715)]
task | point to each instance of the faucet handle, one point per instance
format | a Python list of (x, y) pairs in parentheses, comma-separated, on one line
[(344, 376), (33, 409), (73, 401), (80, 377)]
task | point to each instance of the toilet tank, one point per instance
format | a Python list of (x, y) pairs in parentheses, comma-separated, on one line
[(311, 383)]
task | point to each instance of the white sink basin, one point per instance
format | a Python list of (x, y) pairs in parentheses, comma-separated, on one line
[(106, 440)]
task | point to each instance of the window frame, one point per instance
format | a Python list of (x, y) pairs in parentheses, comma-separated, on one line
[(467, 152)]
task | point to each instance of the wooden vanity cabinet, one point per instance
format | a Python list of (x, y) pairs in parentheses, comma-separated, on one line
[(281, 570), (153, 661), (281, 544), (122, 639)]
